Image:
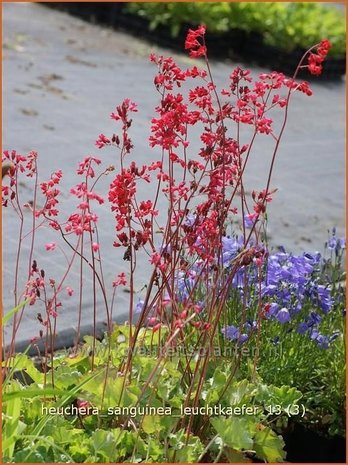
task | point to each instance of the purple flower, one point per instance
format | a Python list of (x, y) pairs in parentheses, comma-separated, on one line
[(250, 220), (334, 336), (331, 243), (314, 259), (165, 249), (283, 316), (273, 310), (298, 306), (324, 297), (314, 318), (185, 281), (231, 246), (230, 332), (242, 338), (322, 341), (233, 334), (302, 328), (271, 289), (335, 243), (139, 306), (250, 325), (341, 242), (190, 219)]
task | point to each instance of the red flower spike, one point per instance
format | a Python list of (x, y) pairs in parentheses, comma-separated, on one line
[(315, 60), (196, 48)]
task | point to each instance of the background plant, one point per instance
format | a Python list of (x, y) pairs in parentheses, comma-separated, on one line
[(285, 25), (302, 336)]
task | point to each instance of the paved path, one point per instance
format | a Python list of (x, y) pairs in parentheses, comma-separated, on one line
[(62, 79)]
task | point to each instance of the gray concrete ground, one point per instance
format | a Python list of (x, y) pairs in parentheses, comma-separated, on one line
[(61, 80)]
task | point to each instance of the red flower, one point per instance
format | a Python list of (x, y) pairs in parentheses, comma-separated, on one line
[(122, 110), (315, 59), (197, 48), (304, 87), (120, 280), (314, 69), (95, 247), (102, 141), (324, 48), (70, 291)]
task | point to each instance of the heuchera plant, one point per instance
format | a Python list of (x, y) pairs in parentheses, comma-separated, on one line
[(197, 258)]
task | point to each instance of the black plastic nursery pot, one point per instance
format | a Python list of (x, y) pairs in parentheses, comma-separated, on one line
[(303, 445), (234, 44)]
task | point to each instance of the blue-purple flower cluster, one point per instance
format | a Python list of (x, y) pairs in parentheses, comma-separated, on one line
[(334, 243), (292, 291), (291, 281), (291, 284), (233, 333)]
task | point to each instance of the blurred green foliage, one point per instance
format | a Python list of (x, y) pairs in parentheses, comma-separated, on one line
[(285, 25)]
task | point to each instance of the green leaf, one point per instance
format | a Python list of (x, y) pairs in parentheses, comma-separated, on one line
[(28, 455), (66, 377), (190, 452), (283, 396), (67, 396), (235, 432), (80, 445), (149, 338), (234, 456), (131, 395), (13, 311), (125, 441), (268, 446), (62, 434), (46, 452), (152, 423), (219, 379), (21, 362), (104, 443), (81, 362), (146, 365), (11, 426), (263, 394), (155, 450), (32, 392), (183, 451), (111, 395), (286, 395), (239, 390), (213, 387), (79, 451)]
